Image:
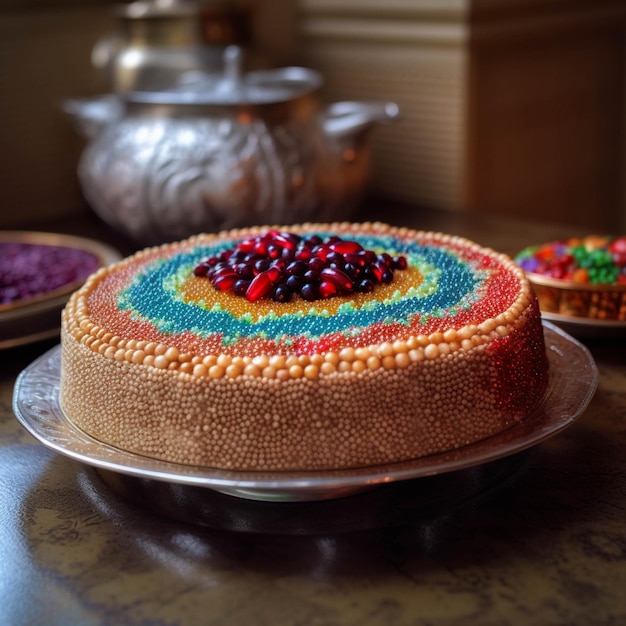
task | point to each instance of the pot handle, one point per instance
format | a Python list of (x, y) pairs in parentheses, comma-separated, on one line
[(349, 118), (91, 115)]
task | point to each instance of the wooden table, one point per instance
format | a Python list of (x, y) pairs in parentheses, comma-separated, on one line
[(539, 538)]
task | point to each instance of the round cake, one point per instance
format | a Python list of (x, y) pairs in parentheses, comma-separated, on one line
[(318, 346)]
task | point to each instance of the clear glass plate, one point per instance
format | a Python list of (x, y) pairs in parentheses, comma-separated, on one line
[(573, 381)]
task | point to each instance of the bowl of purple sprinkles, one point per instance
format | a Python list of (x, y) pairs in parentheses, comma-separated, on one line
[(38, 272)]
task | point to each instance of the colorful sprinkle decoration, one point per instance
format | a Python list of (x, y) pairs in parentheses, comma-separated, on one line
[(597, 260), (181, 299)]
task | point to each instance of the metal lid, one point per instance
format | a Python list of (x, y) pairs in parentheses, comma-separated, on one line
[(148, 9), (234, 88)]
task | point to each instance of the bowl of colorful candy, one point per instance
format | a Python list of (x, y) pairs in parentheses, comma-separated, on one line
[(580, 278)]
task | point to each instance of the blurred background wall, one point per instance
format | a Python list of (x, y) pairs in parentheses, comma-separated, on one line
[(512, 107), (44, 58)]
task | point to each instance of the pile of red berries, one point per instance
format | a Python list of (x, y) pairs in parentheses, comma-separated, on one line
[(279, 265)]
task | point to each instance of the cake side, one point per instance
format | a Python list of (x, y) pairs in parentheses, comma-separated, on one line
[(389, 389)]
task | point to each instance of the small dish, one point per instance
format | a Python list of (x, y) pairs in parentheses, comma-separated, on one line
[(602, 303), (36, 318), (584, 310)]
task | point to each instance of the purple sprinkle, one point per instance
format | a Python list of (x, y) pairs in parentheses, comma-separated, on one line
[(529, 265), (30, 270)]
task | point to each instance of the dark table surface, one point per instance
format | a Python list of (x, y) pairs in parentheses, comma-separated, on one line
[(536, 538)]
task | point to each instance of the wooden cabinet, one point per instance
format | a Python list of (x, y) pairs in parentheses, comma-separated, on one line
[(514, 108)]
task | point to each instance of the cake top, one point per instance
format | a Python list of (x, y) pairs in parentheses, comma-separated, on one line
[(423, 289)]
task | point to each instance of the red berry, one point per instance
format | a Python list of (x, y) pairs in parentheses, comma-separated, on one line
[(282, 294), (399, 263), (327, 289), (224, 283), (262, 284), (365, 286), (240, 287), (309, 292), (345, 247), (337, 277)]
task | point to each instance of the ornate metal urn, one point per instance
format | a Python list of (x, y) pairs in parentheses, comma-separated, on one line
[(224, 151)]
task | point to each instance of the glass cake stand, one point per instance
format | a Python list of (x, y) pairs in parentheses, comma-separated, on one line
[(573, 381)]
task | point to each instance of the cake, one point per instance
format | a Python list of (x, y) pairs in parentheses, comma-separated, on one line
[(390, 344)]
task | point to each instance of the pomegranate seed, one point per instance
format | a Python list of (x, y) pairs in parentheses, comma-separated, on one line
[(224, 272), (321, 252), (279, 264), (295, 283), (355, 259), (303, 254), (317, 264), (259, 286), (262, 284), (201, 269), (309, 292), (377, 270), (345, 247), (399, 263), (287, 240), (244, 271), (335, 257), (260, 247), (261, 265), (246, 246), (312, 276), (240, 287), (327, 289), (296, 267), (337, 277), (385, 259), (273, 252), (282, 294), (351, 270), (224, 283), (365, 286)]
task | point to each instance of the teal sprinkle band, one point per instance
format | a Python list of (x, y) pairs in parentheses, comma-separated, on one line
[(454, 286)]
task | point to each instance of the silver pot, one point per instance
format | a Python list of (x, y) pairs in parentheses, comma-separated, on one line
[(217, 153)]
